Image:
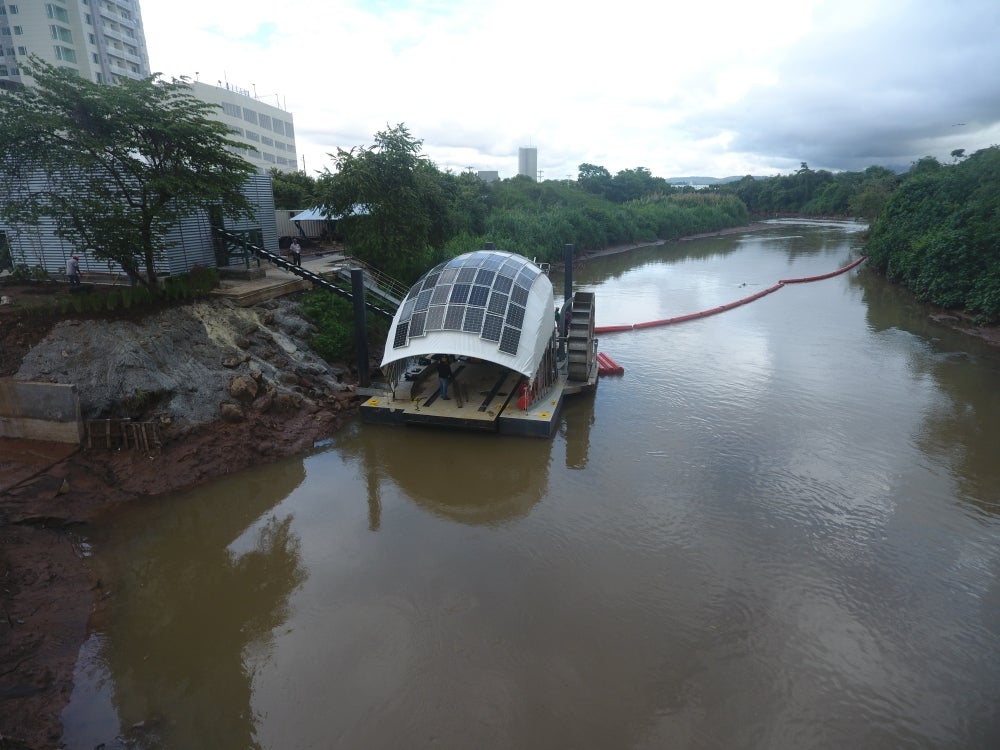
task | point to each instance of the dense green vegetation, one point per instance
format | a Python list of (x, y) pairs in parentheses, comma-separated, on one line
[(940, 234), (333, 317), (816, 193)]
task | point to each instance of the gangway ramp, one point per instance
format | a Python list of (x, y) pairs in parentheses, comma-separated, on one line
[(384, 304)]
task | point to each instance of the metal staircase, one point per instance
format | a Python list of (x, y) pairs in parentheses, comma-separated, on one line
[(580, 338)]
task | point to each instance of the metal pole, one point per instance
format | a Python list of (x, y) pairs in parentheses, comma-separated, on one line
[(360, 328), (567, 285)]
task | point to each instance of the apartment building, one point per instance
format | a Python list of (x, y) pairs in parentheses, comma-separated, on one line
[(102, 40)]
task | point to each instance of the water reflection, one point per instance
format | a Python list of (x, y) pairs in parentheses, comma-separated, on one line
[(478, 479), (960, 429), (577, 419), (202, 586)]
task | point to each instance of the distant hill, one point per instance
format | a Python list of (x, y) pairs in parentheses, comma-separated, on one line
[(705, 180)]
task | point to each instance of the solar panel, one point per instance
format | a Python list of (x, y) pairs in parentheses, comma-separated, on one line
[(509, 340), (479, 296), (492, 327), (519, 295), (473, 320), (515, 315), (526, 277), (417, 324), (435, 317), (401, 333), (440, 294), (453, 318), (485, 293), (407, 309), (511, 267), (503, 284), (423, 299), (498, 303)]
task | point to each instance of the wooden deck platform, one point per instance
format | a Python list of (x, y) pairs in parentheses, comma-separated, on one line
[(483, 397)]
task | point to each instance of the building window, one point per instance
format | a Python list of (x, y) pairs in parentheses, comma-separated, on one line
[(280, 146), (13, 8), (265, 122), (97, 58), (5, 31), (63, 35), (250, 115), (22, 51), (59, 14), (90, 21), (253, 136), (18, 31), (3, 70), (268, 157), (65, 54), (233, 110), (267, 141)]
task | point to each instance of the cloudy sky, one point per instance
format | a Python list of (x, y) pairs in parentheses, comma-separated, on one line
[(691, 87)]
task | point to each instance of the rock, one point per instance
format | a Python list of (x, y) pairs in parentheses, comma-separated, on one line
[(231, 413), (243, 388)]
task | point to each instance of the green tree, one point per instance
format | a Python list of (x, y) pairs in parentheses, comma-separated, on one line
[(119, 165), (393, 200), (293, 190), (939, 233)]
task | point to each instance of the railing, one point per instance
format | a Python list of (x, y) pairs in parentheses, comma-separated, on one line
[(381, 280)]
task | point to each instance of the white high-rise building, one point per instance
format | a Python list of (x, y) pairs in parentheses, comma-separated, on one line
[(102, 40), (527, 162)]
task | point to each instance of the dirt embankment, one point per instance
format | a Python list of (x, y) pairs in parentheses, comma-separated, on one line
[(227, 387)]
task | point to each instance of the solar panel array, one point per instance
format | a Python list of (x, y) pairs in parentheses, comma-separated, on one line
[(484, 292)]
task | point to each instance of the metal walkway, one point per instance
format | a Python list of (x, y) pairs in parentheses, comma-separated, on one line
[(387, 302)]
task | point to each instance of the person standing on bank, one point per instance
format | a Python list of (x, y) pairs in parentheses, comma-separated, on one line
[(296, 250), (444, 376), (73, 270)]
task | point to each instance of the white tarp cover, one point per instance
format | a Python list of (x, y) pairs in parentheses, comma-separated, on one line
[(488, 304)]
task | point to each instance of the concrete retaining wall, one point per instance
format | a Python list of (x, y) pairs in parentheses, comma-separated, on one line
[(40, 411)]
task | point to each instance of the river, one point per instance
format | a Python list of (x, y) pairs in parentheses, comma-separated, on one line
[(779, 529)]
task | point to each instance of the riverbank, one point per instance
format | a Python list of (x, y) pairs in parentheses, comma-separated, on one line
[(227, 387)]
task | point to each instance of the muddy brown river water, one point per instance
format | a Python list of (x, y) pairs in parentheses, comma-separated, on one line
[(779, 529)]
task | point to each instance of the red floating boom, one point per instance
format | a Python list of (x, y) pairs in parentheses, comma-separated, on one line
[(607, 366)]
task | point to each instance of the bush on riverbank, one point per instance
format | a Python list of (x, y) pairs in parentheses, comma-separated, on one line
[(939, 236), (333, 316)]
